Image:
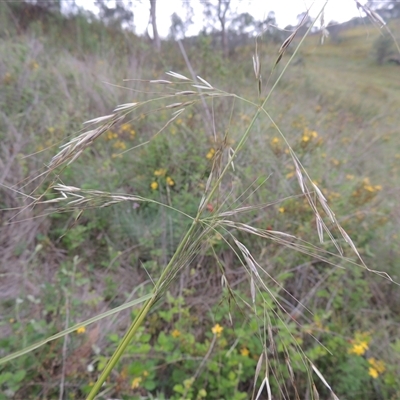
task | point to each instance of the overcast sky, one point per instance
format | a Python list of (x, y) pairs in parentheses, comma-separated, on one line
[(286, 11)]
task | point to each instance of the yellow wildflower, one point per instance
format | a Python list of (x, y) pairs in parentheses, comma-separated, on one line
[(377, 365), (217, 330), (175, 333), (369, 188), (119, 144), (81, 330), (136, 382), (305, 138), (126, 127), (160, 172), (275, 140), (110, 135), (170, 181), (281, 210), (154, 185), (244, 351), (359, 348), (145, 373), (373, 372), (210, 154)]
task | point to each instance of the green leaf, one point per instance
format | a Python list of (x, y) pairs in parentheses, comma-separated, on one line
[(5, 377), (61, 334), (19, 376)]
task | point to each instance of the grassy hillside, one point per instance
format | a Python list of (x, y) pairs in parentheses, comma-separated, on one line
[(253, 281)]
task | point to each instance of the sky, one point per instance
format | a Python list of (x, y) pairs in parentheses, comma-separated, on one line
[(286, 11)]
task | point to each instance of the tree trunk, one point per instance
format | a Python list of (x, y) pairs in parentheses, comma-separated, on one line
[(222, 10), (156, 38)]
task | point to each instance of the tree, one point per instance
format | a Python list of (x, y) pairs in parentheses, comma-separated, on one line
[(269, 28), (241, 29), (115, 12), (387, 10), (50, 5), (219, 11), (304, 21), (180, 26), (223, 7), (153, 19)]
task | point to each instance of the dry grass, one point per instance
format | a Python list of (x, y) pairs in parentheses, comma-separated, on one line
[(173, 97)]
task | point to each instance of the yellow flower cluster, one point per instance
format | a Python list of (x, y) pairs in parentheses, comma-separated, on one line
[(110, 135), (154, 185), (175, 333), (359, 348), (81, 330), (308, 136), (376, 368), (369, 188), (365, 192), (244, 351), (210, 154), (127, 128), (161, 172), (217, 330), (360, 344), (276, 145), (119, 145), (136, 382)]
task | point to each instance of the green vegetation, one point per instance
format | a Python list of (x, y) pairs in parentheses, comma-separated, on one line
[(210, 200)]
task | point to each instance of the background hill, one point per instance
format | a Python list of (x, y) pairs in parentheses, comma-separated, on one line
[(336, 106)]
